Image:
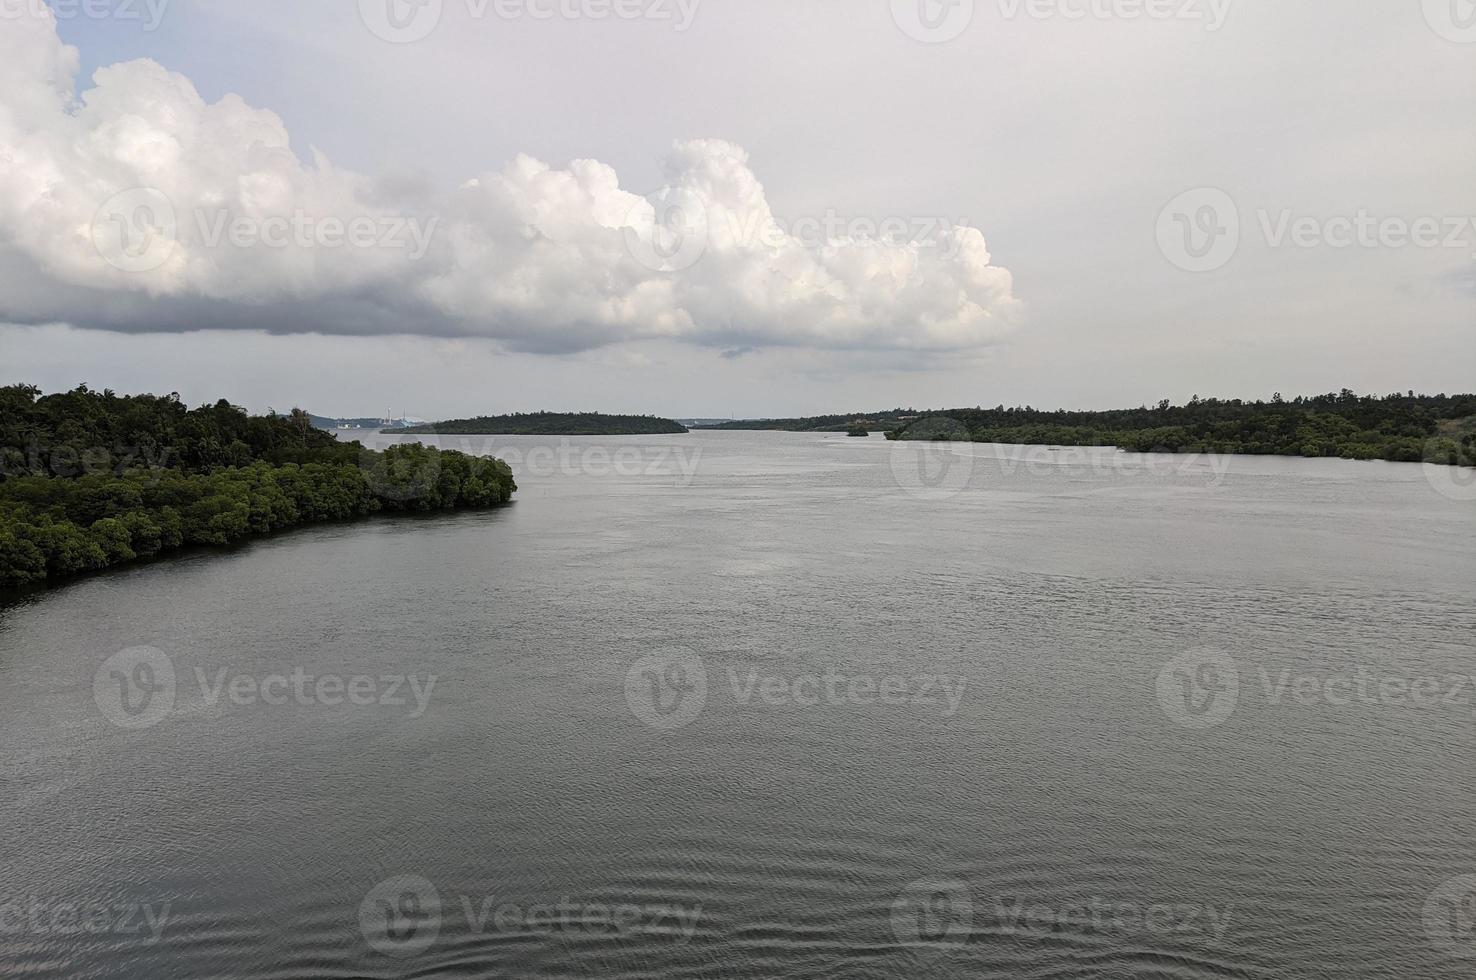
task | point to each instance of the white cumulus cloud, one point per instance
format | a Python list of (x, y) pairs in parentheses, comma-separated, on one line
[(136, 205)]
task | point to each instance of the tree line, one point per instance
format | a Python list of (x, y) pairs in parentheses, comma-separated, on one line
[(1399, 427), (89, 479), (551, 424)]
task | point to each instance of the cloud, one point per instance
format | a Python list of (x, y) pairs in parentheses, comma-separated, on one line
[(138, 206)]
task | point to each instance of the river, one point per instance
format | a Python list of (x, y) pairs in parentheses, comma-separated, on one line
[(762, 705)]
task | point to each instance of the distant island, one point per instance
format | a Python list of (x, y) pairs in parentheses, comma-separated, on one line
[(1398, 427), (336, 424), (702, 423), (549, 424), (90, 480)]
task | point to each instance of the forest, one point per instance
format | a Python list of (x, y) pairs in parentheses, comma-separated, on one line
[(551, 424), (1398, 427), (90, 480)]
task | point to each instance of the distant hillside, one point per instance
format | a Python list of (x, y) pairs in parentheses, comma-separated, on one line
[(550, 424)]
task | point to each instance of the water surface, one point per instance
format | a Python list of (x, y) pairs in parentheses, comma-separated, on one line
[(657, 743)]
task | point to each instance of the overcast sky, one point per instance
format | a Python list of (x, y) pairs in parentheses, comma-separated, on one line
[(736, 207)]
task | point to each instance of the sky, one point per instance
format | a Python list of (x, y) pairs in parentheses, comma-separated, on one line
[(705, 208)]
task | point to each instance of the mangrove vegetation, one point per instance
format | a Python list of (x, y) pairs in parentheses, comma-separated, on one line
[(89, 479)]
